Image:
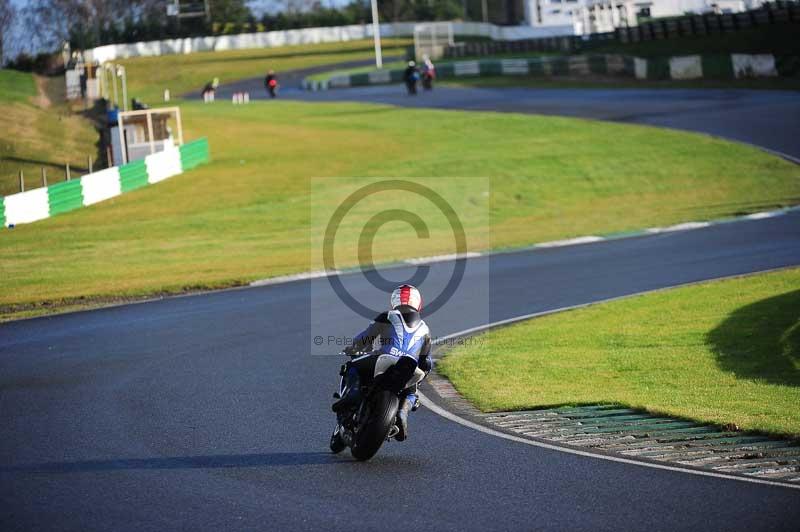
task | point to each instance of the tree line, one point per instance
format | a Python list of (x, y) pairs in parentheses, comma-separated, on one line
[(88, 23)]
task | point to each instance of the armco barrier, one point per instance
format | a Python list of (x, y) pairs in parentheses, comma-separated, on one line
[(728, 66), (40, 203)]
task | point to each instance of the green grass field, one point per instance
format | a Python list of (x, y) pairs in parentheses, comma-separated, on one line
[(39, 130), (725, 352), (149, 76), (246, 215)]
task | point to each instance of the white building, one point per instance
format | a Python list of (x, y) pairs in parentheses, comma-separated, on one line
[(597, 16)]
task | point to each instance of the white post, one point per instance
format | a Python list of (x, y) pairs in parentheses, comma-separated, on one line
[(122, 145), (116, 94), (485, 10), (180, 126), (376, 34), (150, 132), (124, 87)]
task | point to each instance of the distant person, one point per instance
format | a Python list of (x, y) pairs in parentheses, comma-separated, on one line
[(271, 83), (411, 76), (210, 90), (428, 73)]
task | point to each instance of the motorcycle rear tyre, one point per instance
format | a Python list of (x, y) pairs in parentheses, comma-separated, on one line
[(383, 411)]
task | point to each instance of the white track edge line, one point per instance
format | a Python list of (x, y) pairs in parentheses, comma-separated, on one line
[(576, 241), (433, 407), (524, 317)]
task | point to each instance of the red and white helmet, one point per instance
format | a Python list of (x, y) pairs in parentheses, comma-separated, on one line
[(406, 294)]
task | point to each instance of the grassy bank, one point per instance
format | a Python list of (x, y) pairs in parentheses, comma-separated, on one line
[(149, 76), (246, 215), (39, 130), (726, 352), (392, 65)]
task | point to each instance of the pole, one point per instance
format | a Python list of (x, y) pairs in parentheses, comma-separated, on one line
[(376, 34), (90, 164), (124, 87), (485, 10), (122, 147), (21, 182), (68, 173), (180, 125), (44, 176), (114, 76), (150, 133)]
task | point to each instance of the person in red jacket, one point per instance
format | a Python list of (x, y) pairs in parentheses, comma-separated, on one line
[(271, 83)]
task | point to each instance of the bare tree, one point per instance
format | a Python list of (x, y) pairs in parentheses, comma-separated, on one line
[(55, 20), (7, 15)]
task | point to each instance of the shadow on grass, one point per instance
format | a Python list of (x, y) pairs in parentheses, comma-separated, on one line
[(761, 341), (179, 462)]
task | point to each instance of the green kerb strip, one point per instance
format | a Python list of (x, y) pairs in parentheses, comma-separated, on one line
[(717, 66), (65, 196), (598, 64), (658, 68), (194, 153), (490, 68), (359, 79), (132, 176), (2, 211), (536, 67), (559, 66), (444, 71)]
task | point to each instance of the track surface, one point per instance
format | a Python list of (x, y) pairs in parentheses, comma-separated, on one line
[(765, 118), (207, 412)]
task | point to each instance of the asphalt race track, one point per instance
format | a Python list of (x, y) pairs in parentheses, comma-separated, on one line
[(208, 412), (766, 118)]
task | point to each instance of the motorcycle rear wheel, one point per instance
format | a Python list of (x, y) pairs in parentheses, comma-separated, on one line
[(382, 412)]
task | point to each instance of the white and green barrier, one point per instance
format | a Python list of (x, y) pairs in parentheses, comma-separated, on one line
[(610, 64), (41, 203), (722, 66), (728, 66)]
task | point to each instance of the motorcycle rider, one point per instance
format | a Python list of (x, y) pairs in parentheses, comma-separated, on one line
[(271, 83), (401, 332)]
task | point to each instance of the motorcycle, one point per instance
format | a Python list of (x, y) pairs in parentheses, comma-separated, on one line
[(367, 425)]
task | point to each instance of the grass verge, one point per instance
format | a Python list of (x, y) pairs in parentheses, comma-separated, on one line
[(356, 70), (149, 76), (725, 352), (246, 215)]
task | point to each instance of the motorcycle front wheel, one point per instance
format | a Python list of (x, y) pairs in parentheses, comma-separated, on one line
[(382, 411), (337, 443)]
